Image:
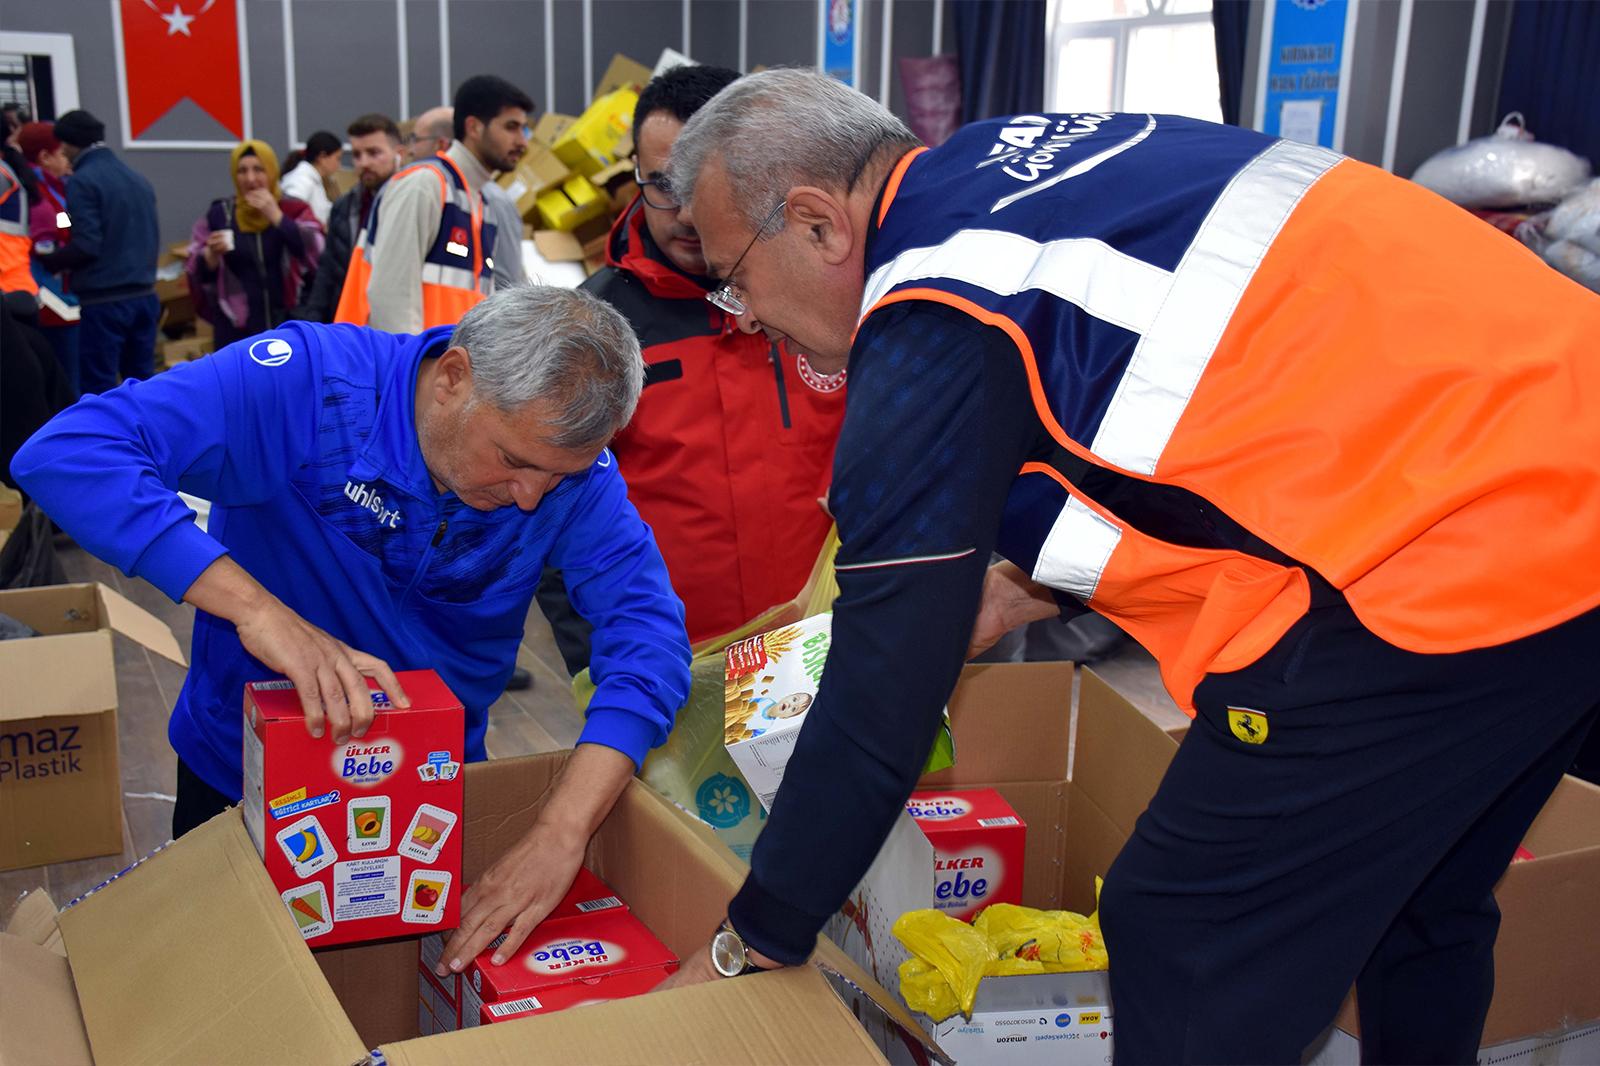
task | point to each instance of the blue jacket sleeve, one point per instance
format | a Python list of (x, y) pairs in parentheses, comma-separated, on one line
[(937, 427), (639, 657), (229, 428)]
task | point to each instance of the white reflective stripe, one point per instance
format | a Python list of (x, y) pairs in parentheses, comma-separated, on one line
[(63, 220), (1171, 357), (1075, 554), (906, 561), (1108, 284), (13, 229), (454, 277)]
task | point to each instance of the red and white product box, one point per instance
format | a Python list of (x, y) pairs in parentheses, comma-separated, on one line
[(978, 844), (362, 839), (635, 963)]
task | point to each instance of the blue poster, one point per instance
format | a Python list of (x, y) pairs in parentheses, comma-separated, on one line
[(1302, 90), (839, 19)]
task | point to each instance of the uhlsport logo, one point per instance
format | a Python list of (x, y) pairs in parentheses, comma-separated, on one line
[(362, 495), (271, 351), (937, 808)]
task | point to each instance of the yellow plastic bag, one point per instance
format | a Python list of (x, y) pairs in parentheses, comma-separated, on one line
[(952, 948), (1051, 941), (925, 990)]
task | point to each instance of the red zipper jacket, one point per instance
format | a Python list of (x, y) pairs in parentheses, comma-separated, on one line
[(731, 446)]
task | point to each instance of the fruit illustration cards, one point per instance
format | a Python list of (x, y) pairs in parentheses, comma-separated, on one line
[(362, 838)]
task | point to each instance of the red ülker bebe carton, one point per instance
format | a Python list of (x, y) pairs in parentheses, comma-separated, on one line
[(361, 838), (978, 843)]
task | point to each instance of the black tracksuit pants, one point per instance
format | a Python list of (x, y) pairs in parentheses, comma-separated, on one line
[(1359, 841)]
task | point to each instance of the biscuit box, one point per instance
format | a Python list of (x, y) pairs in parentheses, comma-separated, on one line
[(769, 683), (360, 838), (978, 846)]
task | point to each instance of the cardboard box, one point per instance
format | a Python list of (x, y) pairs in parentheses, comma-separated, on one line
[(190, 957), (537, 171), (602, 135), (978, 843), (10, 512), (1059, 1019), (570, 204), (60, 786), (1082, 779), (361, 839), (620, 72), (550, 127), (771, 679)]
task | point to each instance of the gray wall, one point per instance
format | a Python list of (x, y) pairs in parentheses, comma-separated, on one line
[(346, 61), (1431, 93)]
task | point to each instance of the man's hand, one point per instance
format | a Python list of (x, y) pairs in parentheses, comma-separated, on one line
[(261, 200), (524, 886), (1010, 599), (327, 673), (697, 968), (329, 676)]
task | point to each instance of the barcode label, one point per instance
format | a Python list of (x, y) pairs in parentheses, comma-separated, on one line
[(991, 823), (515, 1006), (599, 904), (271, 686)]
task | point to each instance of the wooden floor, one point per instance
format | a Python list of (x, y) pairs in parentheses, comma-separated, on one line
[(520, 723)]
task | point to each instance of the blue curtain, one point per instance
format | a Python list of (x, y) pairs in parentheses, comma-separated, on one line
[(1230, 22), (1549, 73), (1000, 44)]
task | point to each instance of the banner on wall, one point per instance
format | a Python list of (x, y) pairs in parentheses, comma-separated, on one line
[(839, 21), (1302, 91), (172, 52)]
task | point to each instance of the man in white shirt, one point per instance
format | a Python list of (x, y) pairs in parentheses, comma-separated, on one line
[(305, 181)]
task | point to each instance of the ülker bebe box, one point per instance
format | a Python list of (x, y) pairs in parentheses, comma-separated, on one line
[(978, 843), (591, 949), (360, 838)]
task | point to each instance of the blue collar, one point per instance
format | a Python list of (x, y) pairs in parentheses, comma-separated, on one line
[(393, 452)]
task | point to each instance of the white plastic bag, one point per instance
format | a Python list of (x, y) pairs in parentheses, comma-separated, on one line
[(1577, 219), (1504, 169)]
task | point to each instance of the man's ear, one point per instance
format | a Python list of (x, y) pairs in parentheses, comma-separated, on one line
[(452, 377), (824, 223)]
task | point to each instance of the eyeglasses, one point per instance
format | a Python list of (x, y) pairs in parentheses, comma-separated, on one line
[(724, 297), (663, 189)]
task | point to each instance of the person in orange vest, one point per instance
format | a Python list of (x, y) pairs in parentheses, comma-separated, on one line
[(1322, 442), (426, 253)]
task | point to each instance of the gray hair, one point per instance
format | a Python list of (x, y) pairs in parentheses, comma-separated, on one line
[(539, 342), (781, 128)]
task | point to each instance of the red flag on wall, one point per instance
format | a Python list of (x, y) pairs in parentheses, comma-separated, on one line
[(171, 51)]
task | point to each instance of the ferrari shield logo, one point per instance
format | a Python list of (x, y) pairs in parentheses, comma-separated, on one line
[(1249, 726)]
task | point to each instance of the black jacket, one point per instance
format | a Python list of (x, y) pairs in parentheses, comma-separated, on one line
[(344, 224)]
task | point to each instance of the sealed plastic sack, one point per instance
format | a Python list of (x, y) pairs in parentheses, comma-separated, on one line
[(1504, 169)]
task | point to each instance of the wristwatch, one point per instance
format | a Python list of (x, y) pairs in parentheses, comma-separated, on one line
[(729, 956)]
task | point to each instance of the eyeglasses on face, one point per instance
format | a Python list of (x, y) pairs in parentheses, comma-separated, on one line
[(727, 298)]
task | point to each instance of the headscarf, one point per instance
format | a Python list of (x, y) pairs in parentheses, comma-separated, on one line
[(247, 218)]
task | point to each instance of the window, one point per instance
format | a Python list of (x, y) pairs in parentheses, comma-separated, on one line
[(1132, 55)]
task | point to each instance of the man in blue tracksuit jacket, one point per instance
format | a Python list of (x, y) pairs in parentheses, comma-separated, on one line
[(381, 501)]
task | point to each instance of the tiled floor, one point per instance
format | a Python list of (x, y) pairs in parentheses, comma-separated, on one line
[(539, 719)]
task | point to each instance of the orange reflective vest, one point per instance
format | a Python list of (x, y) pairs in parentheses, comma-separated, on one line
[(16, 270), (457, 271), (1370, 382)]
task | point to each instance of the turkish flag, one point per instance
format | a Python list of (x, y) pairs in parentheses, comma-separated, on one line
[(171, 52)]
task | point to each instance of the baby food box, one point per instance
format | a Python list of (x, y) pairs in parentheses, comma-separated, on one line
[(360, 838), (591, 949), (769, 684), (978, 845)]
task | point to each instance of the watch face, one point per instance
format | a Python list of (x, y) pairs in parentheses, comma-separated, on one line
[(727, 953)]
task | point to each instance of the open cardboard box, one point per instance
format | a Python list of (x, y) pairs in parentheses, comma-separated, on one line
[(60, 786), (191, 957), (1013, 732)]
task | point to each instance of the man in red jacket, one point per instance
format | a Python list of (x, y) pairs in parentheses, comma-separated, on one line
[(732, 444)]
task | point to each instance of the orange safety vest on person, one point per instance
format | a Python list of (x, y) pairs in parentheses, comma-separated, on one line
[(457, 271), (1353, 372), (16, 268)]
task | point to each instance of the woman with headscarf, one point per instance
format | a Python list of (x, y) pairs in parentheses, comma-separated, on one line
[(252, 253)]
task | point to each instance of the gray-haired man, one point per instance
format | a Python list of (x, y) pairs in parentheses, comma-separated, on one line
[(383, 501)]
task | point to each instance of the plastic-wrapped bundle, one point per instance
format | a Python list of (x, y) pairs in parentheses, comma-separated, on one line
[(1577, 219), (1568, 238), (1505, 169)]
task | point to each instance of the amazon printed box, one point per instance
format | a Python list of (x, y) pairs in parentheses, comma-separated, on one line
[(362, 838), (60, 784)]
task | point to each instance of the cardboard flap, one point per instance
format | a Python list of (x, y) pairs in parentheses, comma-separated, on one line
[(191, 957), (39, 1019), (999, 729), (34, 920), (790, 1016), (138, 624), (49, 676), (1120, 755), (622, 71)]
